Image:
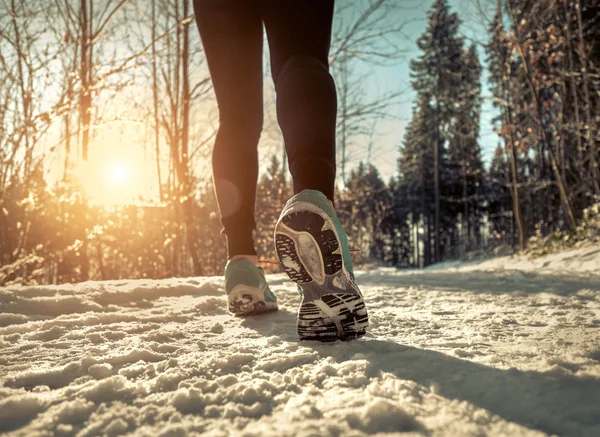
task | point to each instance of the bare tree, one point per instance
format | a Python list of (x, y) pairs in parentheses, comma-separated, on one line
[(26, 113), (366, 33), (538, 112), (178, 84)]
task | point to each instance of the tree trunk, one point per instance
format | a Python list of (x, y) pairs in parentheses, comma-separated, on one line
[(436, 181), (188, 204), (573, 85), (589, 121), (514, 168), (155, 102), (417, 245), (85, 101), (466, 221)]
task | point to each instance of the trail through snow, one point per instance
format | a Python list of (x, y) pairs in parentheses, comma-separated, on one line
[(497, 350)]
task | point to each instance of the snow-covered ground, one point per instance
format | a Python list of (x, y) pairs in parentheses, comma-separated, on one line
[(584, 260), (495, 348)]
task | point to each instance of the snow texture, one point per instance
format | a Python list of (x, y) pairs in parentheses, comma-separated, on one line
[(505, 347)]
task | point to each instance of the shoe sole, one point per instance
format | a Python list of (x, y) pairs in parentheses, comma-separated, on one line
[(245, 301), (308, 248)]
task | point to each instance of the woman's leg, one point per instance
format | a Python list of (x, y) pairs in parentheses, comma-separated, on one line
[(310, 241), (231, 33), (299, 34)]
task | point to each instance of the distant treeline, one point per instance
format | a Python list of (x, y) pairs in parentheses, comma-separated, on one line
[(543, 64)]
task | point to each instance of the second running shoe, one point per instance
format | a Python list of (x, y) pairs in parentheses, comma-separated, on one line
[(247, 290)]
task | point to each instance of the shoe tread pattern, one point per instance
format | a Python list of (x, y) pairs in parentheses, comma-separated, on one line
[(351, 314)]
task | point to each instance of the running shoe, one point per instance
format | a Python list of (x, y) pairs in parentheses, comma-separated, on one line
[(247, 290), (313, 250)]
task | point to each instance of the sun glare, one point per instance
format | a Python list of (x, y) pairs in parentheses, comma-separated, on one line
[(119, 173), (118, 170), (108, 182)]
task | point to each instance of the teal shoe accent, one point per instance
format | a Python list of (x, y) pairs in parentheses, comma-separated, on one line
[(247, 290), (241, 272)]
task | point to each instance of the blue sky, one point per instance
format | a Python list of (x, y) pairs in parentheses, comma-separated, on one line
[(396, 77)]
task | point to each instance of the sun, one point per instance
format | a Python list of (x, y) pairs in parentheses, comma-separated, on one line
[(119, 169), (119, 173), (113, 180)]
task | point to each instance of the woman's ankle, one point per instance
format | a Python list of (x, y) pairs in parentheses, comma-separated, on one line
[(252, 258), (328, 199)]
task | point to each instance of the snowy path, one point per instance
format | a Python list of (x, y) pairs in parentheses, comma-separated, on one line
[(448, 353)]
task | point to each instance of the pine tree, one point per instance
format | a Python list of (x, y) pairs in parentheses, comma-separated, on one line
[(416, 187), (464, 151), (400, 246), (436, 73), (367, 202)]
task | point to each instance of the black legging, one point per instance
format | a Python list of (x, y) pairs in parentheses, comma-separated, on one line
[(299, 34)]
